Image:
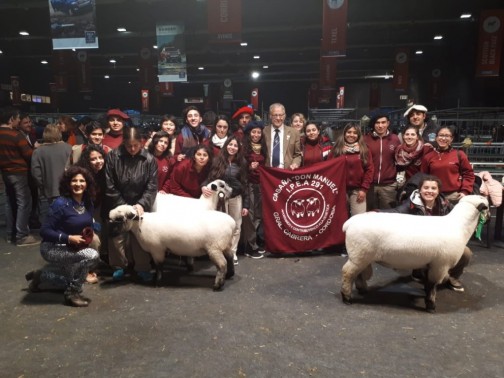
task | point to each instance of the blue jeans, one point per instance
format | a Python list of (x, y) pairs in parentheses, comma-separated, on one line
[(18, 205)]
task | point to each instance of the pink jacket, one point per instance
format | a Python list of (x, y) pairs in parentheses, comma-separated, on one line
[(491, 188)]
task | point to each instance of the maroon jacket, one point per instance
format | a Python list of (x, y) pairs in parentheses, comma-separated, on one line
[(383, 151), (185, 181), (357, 176)]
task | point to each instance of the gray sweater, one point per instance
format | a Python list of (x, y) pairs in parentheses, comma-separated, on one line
[(47, 167)]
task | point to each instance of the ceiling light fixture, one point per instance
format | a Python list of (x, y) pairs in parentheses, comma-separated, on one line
[(44, 61), (24, 32), (154, 47), (1, 52), (122, 30), (438, 37), (138, 69), (112, 61), (201, 68), (265, 67), (106, 77), (255, 75), (465, 15), (257, 57), (243, 44), (419, 52)]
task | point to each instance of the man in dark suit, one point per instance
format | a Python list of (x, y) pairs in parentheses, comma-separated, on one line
[(283, 144)]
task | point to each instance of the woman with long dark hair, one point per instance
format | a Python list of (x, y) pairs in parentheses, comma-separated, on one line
[(230, 166), (159, 148), (66, 234)]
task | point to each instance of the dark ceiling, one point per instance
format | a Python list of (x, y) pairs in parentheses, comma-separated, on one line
[(285, 33)]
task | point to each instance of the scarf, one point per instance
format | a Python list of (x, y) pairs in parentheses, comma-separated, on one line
[(351, 148), (406, 155), (217, 141), (256, 147), (192, 137)]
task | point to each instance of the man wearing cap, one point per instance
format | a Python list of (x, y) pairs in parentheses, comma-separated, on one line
[(382, 144), (242, 116), (417, 116), (283, 143), (116, 120)]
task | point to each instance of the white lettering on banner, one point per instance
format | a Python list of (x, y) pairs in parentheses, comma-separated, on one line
[(224, 11), (297, 237)]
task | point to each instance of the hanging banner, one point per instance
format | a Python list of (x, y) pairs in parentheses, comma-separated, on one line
[(172, 53), (146, 69), (334, 27), (166, 89), (145, 100), (61, 61), (83, 72), (340, 98), (224, 21), (16, 91), (254, 99), (435, 84), (304, 209), (374, 95), (327, 73), (401, 70), (73, 24), (491, 39), (313, 95)]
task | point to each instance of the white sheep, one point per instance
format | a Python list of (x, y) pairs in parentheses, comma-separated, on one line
[(221, 192), (402, 241), (193, 233)]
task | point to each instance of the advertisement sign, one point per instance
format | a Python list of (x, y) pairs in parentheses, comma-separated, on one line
[(224, 20), (334, 27), (171, 53), (304, 209), (401, 70), (73, 24), (491, 39)]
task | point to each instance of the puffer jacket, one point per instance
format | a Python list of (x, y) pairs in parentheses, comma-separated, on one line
[(130, 179), (415, 206)]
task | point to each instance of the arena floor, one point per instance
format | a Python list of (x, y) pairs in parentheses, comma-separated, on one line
[(278, 317)]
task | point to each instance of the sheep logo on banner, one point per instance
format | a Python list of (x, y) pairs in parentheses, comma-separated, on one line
[(300, 210), (305, 208)]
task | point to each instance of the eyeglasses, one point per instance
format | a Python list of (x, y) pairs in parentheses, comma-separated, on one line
[(444, 136), (277, 115)]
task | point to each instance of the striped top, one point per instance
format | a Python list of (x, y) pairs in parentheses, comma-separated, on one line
[(15, 152)]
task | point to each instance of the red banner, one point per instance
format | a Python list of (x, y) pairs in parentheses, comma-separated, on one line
[(334, 27), (435, 84), (340, 98), (165, 89), (145, 100), (254, 98), (83, 72), (401, 69), (327, 73), (491, 39), (16, 91), (61, 62), (374, 95), (224, 20), (304, 209)]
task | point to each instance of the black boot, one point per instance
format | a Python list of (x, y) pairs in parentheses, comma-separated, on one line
[(74, 299), (34, 277)]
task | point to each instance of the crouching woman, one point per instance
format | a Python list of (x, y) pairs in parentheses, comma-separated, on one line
[(66, 234), (428, 200)]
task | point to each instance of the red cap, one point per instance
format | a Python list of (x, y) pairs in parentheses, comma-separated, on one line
[(243, 109), (117, 113)]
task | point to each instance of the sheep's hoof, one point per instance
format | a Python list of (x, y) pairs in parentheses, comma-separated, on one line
[(230, 273), (218, 287), (346, 299), (430, 307)]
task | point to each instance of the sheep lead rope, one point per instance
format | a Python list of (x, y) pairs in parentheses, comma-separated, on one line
[(479, 227)]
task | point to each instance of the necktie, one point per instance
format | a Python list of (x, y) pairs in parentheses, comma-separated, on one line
[(276, 149)]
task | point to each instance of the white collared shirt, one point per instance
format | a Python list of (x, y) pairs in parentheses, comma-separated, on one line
[(281, 136)]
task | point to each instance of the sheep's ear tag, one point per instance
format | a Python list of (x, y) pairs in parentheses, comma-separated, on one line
[(213, 187), (479, 227)]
